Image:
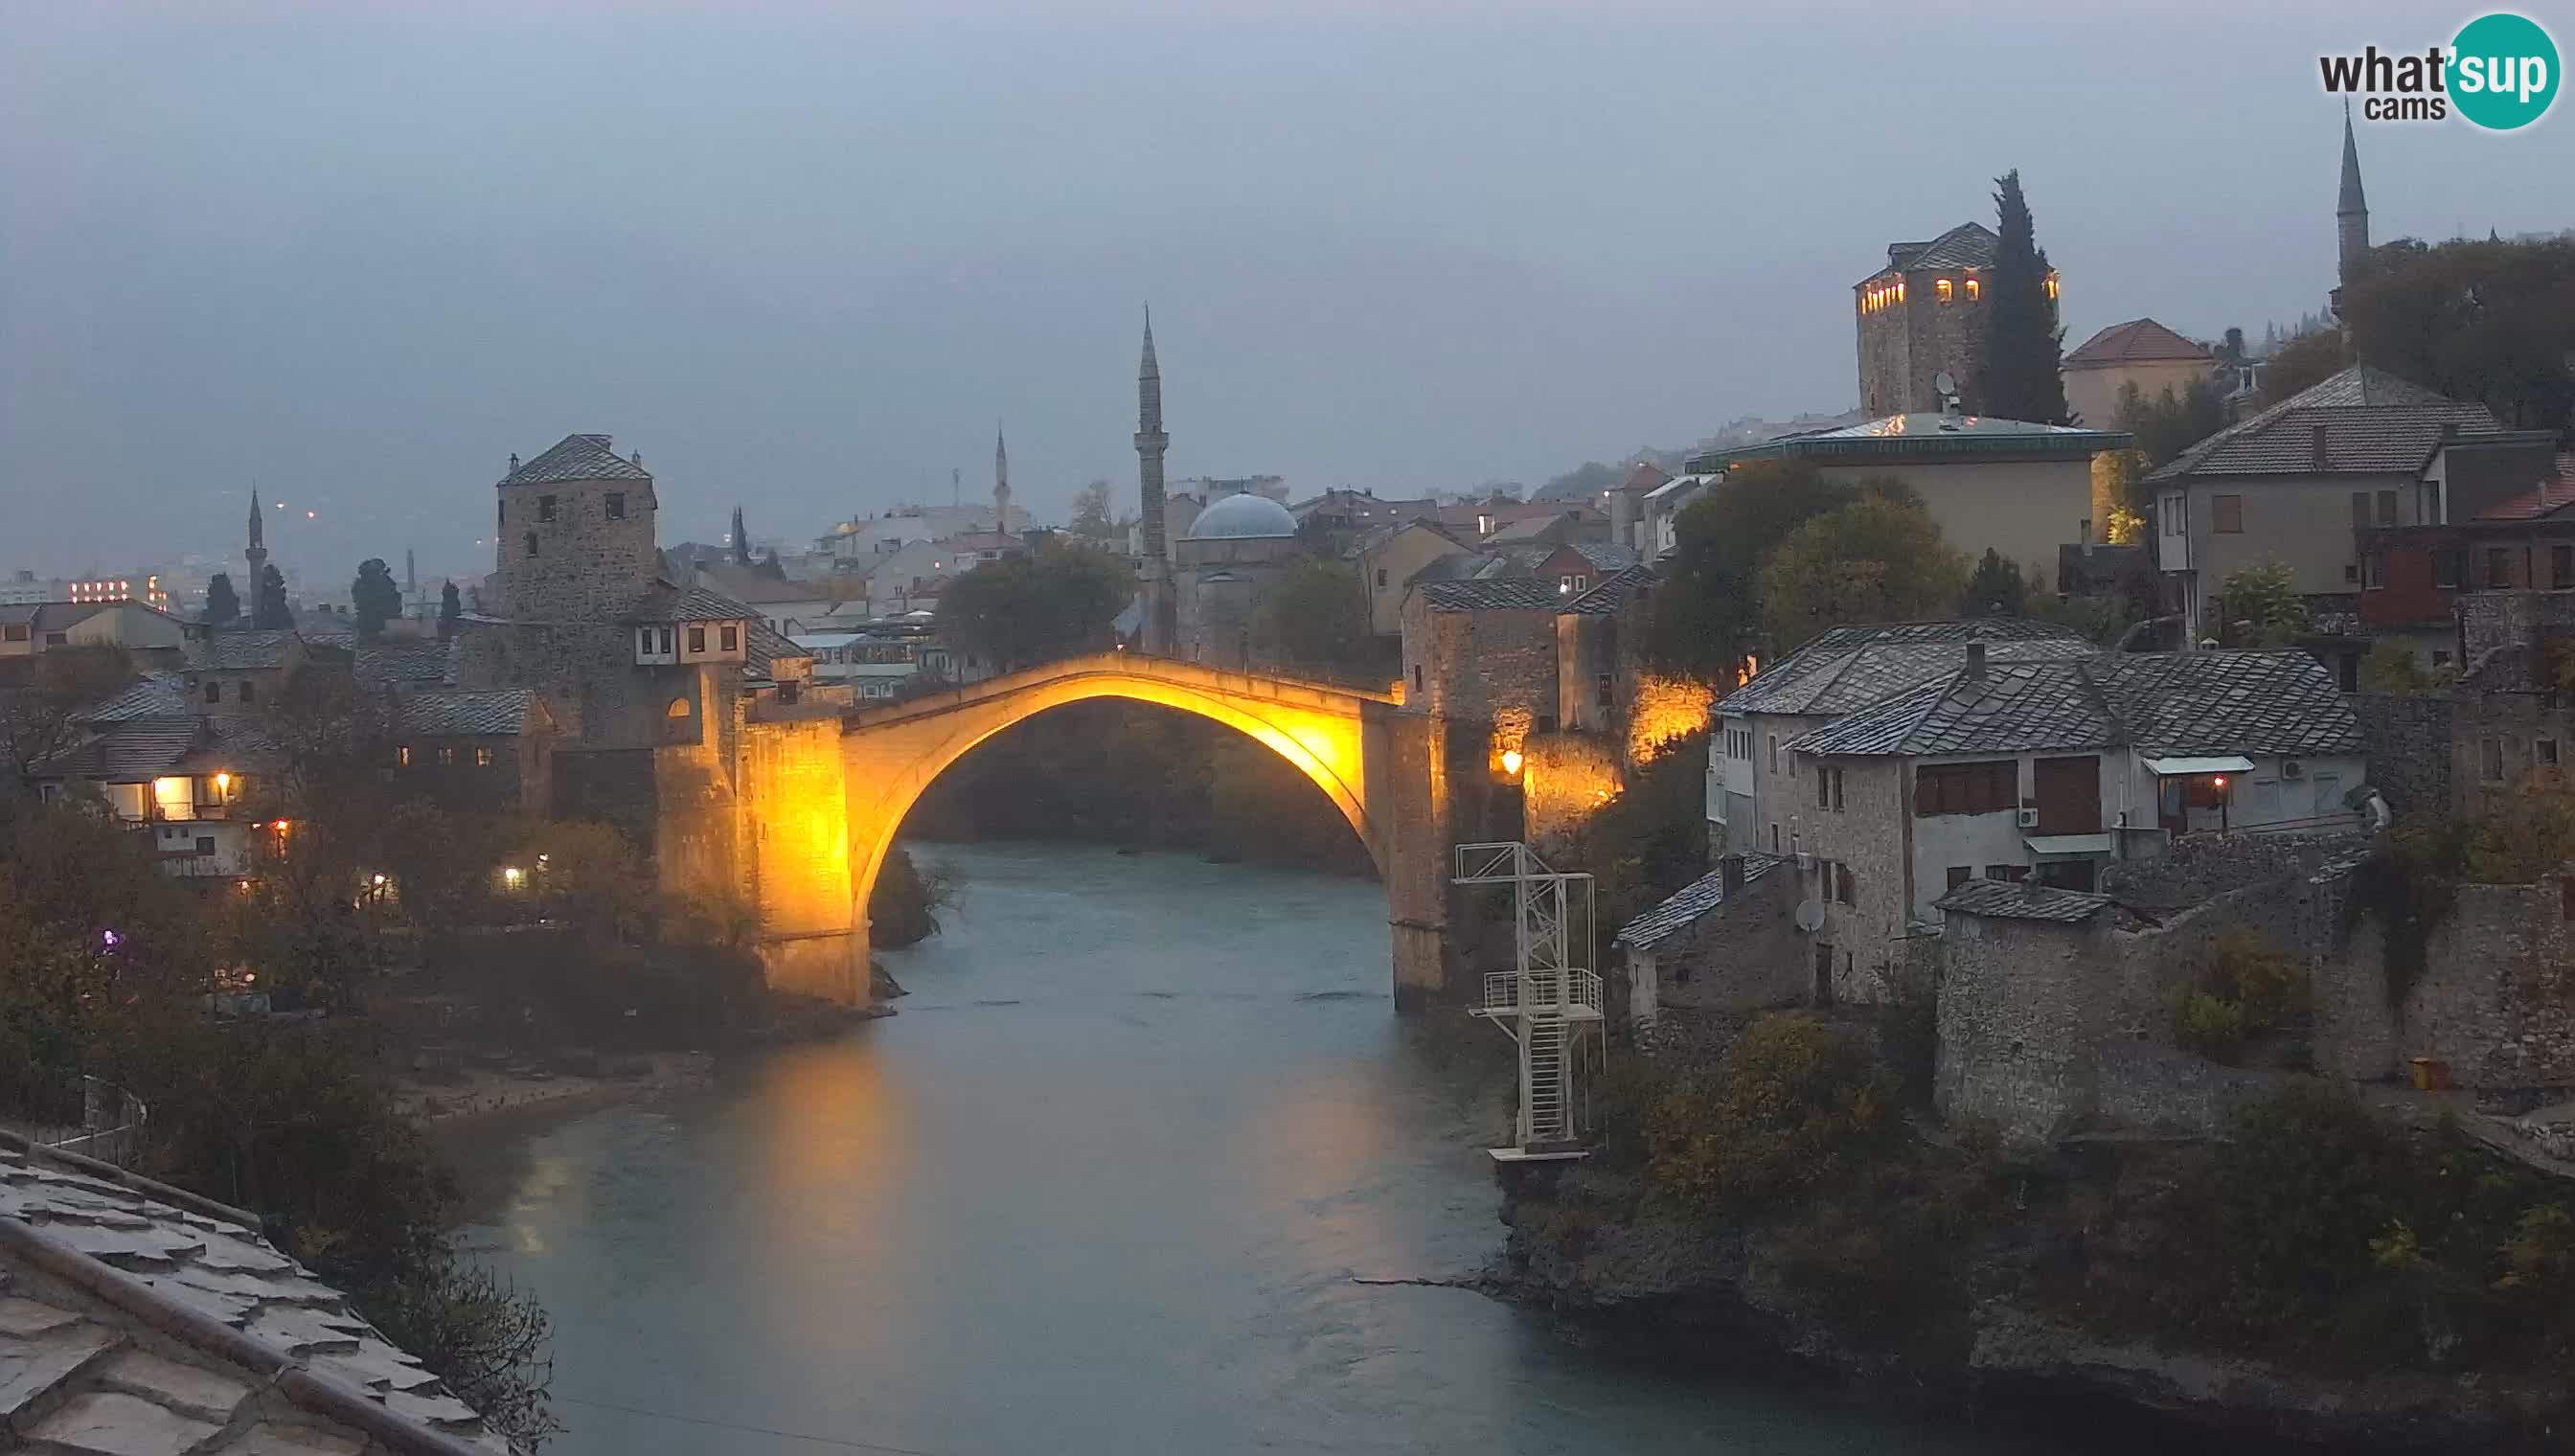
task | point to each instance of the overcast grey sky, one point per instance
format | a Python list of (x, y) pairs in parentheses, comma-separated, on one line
[(803, 256)]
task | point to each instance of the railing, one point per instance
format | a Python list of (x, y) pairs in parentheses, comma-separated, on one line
[(1567, 992), (110, 1125)]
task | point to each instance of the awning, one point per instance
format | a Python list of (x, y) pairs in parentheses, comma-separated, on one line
[(2061, 845), (2170, 768)]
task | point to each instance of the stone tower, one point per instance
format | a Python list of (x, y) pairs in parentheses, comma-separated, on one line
[(1150, 442), (257, 551), (576, 534), (1000, 482), (2351, 216)]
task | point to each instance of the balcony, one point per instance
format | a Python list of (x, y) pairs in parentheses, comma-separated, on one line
[(1572, 994)]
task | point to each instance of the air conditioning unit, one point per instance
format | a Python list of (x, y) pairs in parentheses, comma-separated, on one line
[(2293, 768), (2029, 818)]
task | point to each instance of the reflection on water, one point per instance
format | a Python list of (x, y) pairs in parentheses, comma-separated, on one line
[(1102, 1187)]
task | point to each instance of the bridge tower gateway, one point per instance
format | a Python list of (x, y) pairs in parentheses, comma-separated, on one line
[(1548, 1004)]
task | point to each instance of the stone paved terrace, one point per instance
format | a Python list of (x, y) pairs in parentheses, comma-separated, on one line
[(138, 1320)]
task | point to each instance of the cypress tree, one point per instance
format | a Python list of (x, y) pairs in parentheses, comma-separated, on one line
[(450, 607), (268, 610), (2024, 345), (223, 606)]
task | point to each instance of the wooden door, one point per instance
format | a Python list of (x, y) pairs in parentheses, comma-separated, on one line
[(2069, 795)]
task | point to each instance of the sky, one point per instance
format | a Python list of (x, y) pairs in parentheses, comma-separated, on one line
[(808, 256)]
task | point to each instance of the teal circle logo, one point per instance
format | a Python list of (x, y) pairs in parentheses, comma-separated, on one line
[(2503, 72)]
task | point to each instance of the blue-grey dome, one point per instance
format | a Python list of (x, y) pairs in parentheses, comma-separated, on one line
[(1243, 516)]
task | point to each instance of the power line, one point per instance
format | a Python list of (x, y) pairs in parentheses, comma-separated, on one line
[(843, 1442)]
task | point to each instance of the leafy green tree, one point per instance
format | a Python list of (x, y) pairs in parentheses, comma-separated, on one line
[(2303, 362), (1707, 613), (2261, 606), (2024, 346), (2120, 497), (1314, 614), (2391, 667), (2169, 424), (2476, 320), (1996, 589), (1091, 515), (374, 597), (222, 605), (451, 611), (1879, 558), (1055, 602), (903, 909), (269, 612)]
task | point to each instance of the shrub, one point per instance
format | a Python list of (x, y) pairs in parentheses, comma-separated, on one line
[(2247, 987), (2209, 1025), (2539, 1258), (1796, 1102)]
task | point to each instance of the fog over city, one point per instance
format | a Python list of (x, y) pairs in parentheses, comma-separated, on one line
[(805, 257)]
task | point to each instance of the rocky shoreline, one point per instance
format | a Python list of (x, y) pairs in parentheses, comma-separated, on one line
[(1583, 1247)]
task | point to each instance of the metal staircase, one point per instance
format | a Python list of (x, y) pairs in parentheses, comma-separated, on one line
[(1548, 1004)]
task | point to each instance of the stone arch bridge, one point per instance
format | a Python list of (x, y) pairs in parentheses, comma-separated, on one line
[(822, 798)]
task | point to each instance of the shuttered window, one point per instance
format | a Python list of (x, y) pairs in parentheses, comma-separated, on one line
[(1966, 789)]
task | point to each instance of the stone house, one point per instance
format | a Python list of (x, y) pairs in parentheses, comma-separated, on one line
[(2139, 351), (188, 779), (473, 751), (1751, 793), (2363, 450), (1483, 650), (241, 672), (2050, 771), (1605, 687), (2010, 486), (1727, 941), (1626, 504), (1389, 558)]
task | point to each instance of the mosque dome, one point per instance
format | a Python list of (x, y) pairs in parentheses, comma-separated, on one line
[(1243, 516)]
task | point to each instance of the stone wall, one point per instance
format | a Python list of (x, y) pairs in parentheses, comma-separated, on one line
[(1741, 957), (2492, 620), (2495, 997), (2145, 1086), (1565, 778), (1480, 665), (2410, 745), (2023, 1005), (2195, 869), (588, 566), (2515, 724)]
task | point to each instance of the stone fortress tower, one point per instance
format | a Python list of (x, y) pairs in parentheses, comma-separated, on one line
[(576, 534)]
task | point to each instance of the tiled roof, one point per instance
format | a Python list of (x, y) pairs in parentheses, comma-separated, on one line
[(126, 751), (577, 457), (1924, 435), (403, 659), (449, 713), (2373, 424), (153, 695), (1695, 899), (2551, 496), (1612, 594), (53, 615), (663, 602), (1968, 245), (227, 650), (1845, 669), (135, 1317), (1646, 476), (1608, 556), (763, 646), (2002, 899), (2160, 703), (1530, 528), (2139, 341), (1500, 594)]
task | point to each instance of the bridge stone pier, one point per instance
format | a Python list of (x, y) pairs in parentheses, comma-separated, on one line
[(1408, 784)]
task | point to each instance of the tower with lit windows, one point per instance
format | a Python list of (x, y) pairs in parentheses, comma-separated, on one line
[(1923, 315)]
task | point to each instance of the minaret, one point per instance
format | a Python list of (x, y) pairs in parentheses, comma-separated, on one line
[(1151, 443), (1000, 482), (2351, 215), (257, 551)]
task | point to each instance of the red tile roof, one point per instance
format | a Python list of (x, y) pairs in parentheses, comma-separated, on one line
[(2137, 341), (2551, 496)]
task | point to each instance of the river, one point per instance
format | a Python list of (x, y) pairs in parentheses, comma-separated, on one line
[(1103, 1186)]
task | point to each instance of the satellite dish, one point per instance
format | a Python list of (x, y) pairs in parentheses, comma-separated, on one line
[(1810, 916), (1944, 382)]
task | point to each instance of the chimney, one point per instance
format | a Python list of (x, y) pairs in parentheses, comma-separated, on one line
[(1729, 874), (1976, 657), (2323, 455)]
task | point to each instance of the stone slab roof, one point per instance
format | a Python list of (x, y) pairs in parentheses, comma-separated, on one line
[(1695, 899), (139, 1320), (2002, 899), (2138, 341), (663, 602), (2373, 424), (1968, 245), (577, 457), (1608, 556), (1498, 593), (129, 750), (227, 651), (1845, 669), (153, 695), (2160, 703), (1614, 593), (405, 659), (455, 714)]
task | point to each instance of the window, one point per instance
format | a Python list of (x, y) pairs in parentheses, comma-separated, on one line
[(1960, 874), (2226, 513), (2561, 567), (1606, 692), (1942, 289), (58, 638), (2360, 509), (2387, 508), (1775, 838), (1380, 579), (1823, 787), (532, 543), (2543, 751), (1775, 752), (15, 631), (729, 637), (481, 758), (2445, 570), (402, 755), (616, 505), (1571, 584), (446, 755), (1975, 289), (1838, 790), (679, 709), (2490, 759), (1966, 789), (2499, 567), (697, 639), (2008, 874), (1417, 677), (1845, 884), (545, 507), (501, 517), (248, 692), (214, 691)]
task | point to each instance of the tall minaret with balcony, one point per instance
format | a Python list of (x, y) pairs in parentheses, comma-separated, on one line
[(256, 552), (2351, 217), (1159, 624), (1000, 482)]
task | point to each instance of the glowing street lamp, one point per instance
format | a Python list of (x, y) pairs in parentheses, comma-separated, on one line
[(513, 876), (1511, 762)]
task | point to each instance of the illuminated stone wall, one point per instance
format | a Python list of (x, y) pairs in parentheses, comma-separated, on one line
[(1664, 710), (1564, 780), (796, 821)]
